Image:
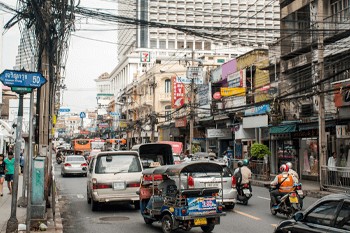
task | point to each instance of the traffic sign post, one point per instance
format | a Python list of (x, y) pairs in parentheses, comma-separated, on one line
[(21, 82)]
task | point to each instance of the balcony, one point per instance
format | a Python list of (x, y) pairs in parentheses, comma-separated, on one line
[(165, 97), (337, 26), (146, 100)]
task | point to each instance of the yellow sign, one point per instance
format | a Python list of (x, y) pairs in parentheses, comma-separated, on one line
[(54, 119), (230, 91), (123, 125)]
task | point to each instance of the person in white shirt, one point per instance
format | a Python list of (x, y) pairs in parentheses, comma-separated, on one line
[(332, 170), (246, 175), (292, 172)]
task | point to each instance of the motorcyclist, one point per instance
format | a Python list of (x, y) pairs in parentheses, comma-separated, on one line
[(284, 183), (243, 175), (291, 171)]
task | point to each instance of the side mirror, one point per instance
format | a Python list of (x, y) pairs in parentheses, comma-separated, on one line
[(299, 216)]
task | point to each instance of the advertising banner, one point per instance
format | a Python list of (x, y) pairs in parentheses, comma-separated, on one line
[(237, 79), (230, 91), (201, 205), (178, 94)]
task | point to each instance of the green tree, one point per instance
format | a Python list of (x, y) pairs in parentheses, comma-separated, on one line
[(259, 150)]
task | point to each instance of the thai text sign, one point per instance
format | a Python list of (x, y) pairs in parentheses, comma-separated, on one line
[(219, 133), (230, 91), (178, 94)]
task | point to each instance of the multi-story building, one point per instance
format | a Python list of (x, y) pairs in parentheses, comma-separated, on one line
[(314, 62), (25, 58)]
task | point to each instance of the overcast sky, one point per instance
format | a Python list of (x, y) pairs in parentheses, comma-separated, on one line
[(87, 58)]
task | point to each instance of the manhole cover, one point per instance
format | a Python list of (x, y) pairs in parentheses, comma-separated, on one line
[(116, 218)]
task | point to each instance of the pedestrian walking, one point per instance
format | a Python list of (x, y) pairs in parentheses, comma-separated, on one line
[(9, 170), (21, 162), (332, 161), (2, 174)]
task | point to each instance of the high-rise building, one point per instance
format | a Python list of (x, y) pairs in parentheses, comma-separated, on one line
[(26, 58), (255, 24)]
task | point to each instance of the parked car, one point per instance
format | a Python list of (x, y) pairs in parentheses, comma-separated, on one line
[(74, 165), (114, 176), (329, 214)]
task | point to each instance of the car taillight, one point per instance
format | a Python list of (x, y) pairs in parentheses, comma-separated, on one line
[(84, 165), (134, 185), (96, 185), (190, 182), (149, 177), (233, 182), (67, 165), (245, 186)]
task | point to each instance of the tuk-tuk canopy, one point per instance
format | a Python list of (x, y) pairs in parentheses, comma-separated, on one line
[(192, 167)]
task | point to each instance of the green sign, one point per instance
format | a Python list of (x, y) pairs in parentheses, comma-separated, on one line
[(22, 90), (220, 60), (104, 94)]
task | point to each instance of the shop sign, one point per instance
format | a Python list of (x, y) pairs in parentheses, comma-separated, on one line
[(123, 124), (262, 109), (103, 125), (342, 131), (342, 96), (237, 79), (217, 96), (182, 122), (221, 117), (215, 75), (178, 94), (232, 91), (235, 101), (203, 94), (219, 133), (305, 133)]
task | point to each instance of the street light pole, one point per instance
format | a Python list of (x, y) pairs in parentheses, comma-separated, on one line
[(153, 114), (192, 107)]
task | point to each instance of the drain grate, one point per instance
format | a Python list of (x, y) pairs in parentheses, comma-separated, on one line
[(114, 218)]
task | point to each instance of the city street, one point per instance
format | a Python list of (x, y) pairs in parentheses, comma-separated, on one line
[(78, 217)]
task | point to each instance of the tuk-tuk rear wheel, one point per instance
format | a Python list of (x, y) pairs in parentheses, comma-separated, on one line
[(148, 220), (208, 228), (167, 224)]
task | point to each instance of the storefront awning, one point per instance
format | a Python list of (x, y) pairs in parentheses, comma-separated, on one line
[(314, 125), (283, 129)]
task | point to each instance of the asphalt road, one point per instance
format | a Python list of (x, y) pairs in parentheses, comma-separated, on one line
[(78, 217)]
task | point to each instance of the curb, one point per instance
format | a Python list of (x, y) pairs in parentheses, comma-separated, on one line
[(58, 219)]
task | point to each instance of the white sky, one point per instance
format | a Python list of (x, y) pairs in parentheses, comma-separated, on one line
[(87, 59)]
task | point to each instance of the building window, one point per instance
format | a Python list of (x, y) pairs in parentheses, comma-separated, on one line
[(153, 44), (167, 86), (168, 113), (171, 44), (162, 44)]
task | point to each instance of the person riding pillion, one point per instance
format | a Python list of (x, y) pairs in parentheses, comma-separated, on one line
[(291, 171), (284, 182), (243, 174)]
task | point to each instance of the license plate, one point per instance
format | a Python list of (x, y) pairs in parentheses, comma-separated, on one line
[(118, 185), (212, 185), (200, 221), (246, 191), (293, 199), (300, 192)]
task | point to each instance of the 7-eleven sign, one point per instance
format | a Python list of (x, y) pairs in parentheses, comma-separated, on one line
[(145, 56)]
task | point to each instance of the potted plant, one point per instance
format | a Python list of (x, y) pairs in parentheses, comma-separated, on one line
[(259, 151)]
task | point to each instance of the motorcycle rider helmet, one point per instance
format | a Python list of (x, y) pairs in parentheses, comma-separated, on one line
[(290, 165), (240, 163), (245, 162), (284, 168)]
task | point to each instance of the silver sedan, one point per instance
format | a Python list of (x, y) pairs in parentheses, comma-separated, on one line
[(74, 165)]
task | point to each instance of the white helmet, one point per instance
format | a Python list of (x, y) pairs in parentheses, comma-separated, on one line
[(289, 164)]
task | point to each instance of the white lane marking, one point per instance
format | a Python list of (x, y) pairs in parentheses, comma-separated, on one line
[(247, 215), (80, 195), (265, 198)]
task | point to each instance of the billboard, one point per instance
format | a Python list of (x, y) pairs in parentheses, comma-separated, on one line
[(178, 94)]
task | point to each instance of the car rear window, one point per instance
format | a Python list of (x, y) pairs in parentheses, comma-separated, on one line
[(75, 159), (117, 164)]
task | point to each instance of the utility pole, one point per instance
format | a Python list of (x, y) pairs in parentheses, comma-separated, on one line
[(153, 114), (321, 111), (192, 107)]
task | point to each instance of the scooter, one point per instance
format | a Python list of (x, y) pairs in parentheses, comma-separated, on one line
[(244, 194), (59, 159), (288, 204)]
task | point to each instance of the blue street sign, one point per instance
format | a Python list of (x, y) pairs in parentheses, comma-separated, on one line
[(82, 115), (64, 110), (14, 78), (114, 113)]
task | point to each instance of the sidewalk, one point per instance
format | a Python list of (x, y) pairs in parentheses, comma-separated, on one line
[(5, 212), (310, 188)]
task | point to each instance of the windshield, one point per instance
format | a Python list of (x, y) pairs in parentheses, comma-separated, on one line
[(117, 164), (75, 159)]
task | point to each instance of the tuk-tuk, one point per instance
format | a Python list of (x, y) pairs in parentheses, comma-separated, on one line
[(182, 206)]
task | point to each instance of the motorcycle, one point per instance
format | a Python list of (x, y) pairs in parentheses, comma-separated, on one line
[(59, 159), (288, 203), (244, 194)]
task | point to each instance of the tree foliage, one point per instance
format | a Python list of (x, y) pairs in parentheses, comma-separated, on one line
[(259, 150)]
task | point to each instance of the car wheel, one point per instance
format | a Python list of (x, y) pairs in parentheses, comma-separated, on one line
[(148, 221), (167, 224), (137, 205), (245, 202), (88, 197), (94, 205), (208, 228), (230, 207)]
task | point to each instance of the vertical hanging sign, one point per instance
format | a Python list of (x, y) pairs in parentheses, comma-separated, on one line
[(178, 94)]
